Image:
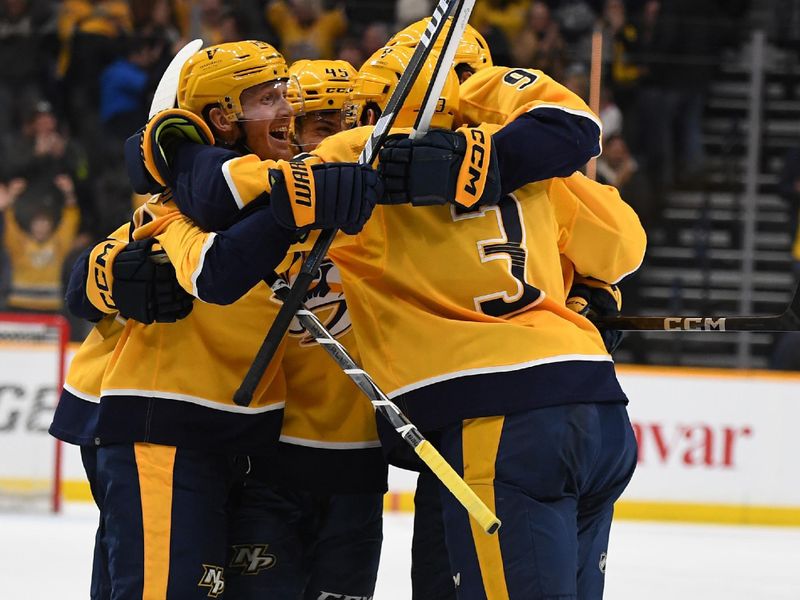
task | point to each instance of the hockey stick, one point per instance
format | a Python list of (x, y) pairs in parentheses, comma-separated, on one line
[(789, 320), (283, 319), (167, 90), (427, 453)]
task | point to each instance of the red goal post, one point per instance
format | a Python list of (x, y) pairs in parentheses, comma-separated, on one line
[(33, 353)]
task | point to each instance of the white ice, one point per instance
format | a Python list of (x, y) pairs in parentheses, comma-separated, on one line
[(46, 557)]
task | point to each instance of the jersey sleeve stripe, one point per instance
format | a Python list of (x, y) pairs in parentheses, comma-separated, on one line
[(198, 271), (226, 172)]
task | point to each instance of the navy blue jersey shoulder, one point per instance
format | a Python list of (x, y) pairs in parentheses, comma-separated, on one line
[(544, 143), (201, 191)]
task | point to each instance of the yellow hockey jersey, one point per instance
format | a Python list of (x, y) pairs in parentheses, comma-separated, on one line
[(173, 383), (75, 418), (462, 313), (500, 94), (328, 427), (328, 424)]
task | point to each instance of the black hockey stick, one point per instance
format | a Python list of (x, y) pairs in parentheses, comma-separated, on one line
[(427, 453), (444, 10), (789, 320)]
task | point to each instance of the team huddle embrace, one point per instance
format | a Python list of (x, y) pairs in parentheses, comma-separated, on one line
[(465, 269)]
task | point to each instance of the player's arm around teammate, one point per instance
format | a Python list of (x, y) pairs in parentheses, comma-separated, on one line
[(166, 429)]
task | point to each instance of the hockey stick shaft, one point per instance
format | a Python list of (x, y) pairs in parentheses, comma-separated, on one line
[(789, 320), (442, 68), (244, 395), (412, 436)]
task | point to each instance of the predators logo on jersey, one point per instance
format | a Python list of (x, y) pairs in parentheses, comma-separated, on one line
[(326, 299)]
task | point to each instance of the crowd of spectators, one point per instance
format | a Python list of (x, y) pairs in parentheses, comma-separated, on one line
[(76, 77)]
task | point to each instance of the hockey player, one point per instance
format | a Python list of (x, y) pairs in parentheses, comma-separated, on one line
[(167, 431), (501, 95), (317, 507), (325, 85), (158, 297), (511, 359)]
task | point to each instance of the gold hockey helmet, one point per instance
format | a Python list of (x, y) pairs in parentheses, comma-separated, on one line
[(472, 49), (323, 84), (219, 74), (378, 78)]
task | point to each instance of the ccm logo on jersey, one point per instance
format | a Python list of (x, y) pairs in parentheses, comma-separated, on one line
[(252, 559), (213, 579), (694, 324)]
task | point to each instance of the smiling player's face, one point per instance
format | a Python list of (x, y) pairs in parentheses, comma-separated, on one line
[(267, 116), (312, 128)]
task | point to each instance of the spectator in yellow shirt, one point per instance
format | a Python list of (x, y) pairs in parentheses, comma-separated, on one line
[(36, 255), (305, 29)]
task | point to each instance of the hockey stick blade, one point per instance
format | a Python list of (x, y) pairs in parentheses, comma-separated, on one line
[(277, 330), (789, 320), (390, 411), (167, 90)]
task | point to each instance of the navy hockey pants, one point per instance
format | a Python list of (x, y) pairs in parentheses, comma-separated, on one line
[(163, 522), (288, 544), (552, 475)]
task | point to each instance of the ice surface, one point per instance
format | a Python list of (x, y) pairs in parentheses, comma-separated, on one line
[(44, 557)]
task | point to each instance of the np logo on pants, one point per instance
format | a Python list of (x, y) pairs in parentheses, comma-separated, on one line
[(213, 579), (252, 559)]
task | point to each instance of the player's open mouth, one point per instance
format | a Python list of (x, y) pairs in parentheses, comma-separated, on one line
[(280, 133)]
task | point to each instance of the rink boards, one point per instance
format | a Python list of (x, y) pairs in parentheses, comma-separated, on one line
[(714, 446)]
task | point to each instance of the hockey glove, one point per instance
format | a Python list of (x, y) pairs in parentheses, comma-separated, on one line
[(592, 298), (148, 152), (145, 287), (324, 196), (441, 167)]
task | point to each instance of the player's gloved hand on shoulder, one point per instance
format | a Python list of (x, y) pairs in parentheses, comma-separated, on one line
[(145, 287), (440, 167), (149, 151), (323, 196), (592, 299)]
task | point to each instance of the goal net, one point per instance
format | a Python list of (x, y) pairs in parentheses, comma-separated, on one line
[(32, 354)]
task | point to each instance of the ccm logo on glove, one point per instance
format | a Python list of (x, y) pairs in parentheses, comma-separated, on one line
[(477, 153)]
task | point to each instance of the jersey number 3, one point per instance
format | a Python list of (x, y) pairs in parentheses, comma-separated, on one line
[(509, 247)]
